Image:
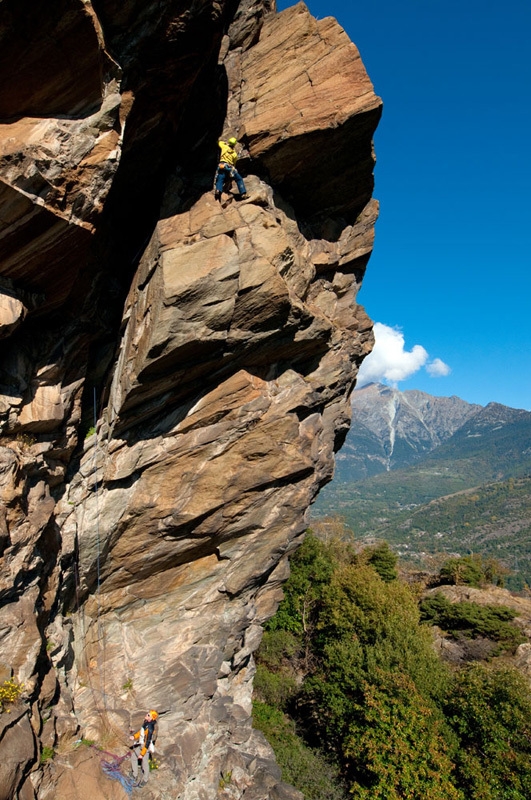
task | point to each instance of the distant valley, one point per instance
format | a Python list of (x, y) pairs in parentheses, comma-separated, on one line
[(436, 476)]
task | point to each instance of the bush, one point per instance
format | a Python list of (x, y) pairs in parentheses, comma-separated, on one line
[(378, 625), (470, 620), (303, 767), (47, 754), (278, 647), (383, 560), (10, 691), (490, 711), (274, 688), (394, 744), (473, 571), (312, 566), (465, 570), (275, 675), (376, 699), (371, 696)]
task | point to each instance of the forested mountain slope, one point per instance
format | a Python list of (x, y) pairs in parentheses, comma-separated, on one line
[(470, 493)]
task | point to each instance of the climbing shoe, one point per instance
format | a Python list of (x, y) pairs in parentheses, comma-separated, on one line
[(244, 196), (217, 195)]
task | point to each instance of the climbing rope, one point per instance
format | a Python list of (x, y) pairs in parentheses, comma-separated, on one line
[(99, 626), (99, 692), (98, 682), (111, 764), (112, 768)]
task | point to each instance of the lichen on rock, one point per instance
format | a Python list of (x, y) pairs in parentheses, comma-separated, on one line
[(175, 372)]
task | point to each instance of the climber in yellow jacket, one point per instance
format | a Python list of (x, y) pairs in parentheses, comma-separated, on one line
[(227, 168), (144, 744)]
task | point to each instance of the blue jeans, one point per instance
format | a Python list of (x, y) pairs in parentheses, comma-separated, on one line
[(224, 172)]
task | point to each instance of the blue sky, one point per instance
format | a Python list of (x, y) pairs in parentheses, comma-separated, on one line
[(449, 281)]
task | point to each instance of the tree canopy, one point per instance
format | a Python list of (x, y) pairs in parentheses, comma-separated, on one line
[(349, 665)]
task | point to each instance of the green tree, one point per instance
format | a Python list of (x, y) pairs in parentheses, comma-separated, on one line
[(349, 658), (361, 611), (395, 746), (375, 672), (312, 566), (490, 711), (302, 766), (384, 561), (467, 569), (473, 570)]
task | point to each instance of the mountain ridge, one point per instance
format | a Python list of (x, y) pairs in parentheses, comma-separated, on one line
[(469, 493), (392, 429)]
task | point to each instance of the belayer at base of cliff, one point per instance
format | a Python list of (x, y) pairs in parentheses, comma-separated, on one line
[(227, 169), (144, 746)]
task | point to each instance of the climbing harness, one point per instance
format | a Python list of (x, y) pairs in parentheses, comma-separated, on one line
[(228, 177)]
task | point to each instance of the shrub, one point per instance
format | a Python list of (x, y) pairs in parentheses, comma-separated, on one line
[(383, 560), (394, 745), (371, 696), (225, 779), (275, 688), (377, 626), (10, 691), (473, 571), (312, 566), (465, 570), (302, 766), (490, 711), (376, 699), (47, 754), (470, 619), (275, 682), (278, 647)]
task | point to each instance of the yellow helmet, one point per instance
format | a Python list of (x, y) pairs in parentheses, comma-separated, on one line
[(233, 141), (154, 714)]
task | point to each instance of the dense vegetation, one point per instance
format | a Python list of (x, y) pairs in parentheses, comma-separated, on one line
[(471, 620), (355, 702), (473, 570)]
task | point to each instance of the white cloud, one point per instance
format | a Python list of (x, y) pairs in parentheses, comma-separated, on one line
[(390, 362), (437, 368)]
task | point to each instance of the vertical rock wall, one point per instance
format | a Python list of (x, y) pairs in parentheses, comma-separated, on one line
[(175, 372)]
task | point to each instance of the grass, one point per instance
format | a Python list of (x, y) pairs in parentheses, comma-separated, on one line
[(47, 754)]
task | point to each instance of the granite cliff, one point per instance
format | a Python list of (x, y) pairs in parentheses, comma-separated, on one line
[(175, 373)]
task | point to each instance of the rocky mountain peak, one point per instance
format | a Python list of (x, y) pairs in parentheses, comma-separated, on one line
[(391, 429), (175, 371), (495, 414)]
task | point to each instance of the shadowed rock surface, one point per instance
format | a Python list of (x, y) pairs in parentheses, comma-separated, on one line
[(175, 372)]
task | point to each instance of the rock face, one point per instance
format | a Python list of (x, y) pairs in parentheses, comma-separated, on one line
[(175, 372)]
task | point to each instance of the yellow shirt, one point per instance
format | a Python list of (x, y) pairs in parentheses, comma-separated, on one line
[(228, 153)]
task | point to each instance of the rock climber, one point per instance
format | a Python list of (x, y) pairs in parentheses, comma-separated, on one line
[(227, 169), (144, 744)]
